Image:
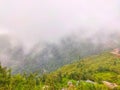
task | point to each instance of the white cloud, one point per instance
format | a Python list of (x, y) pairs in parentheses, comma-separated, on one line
[(32, 20)]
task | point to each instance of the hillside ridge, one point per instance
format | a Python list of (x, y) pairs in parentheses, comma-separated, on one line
[(100, 69)]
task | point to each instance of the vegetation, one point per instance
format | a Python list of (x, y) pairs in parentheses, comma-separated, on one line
[(46, 57), (86, 74), (99, 68)]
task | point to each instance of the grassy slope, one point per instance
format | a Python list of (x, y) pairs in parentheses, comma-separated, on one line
[(97, 68)]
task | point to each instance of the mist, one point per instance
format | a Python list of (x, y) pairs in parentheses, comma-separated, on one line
[(36, 20), (46, 35)]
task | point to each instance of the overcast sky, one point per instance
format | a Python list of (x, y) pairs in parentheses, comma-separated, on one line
[(34, 20)]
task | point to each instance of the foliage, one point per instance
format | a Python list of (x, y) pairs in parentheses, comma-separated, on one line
[(86, 74)]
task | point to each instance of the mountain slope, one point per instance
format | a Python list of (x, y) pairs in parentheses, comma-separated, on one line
[(99, 64), (97, 68), (49, 57), (98, 72)]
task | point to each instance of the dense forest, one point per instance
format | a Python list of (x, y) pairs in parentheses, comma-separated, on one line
[(97, 72), (72, 63), (59, 45), (46, 57)]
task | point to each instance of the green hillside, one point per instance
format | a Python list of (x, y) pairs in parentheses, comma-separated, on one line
[(98, 68), (93, 68), (91, 73)]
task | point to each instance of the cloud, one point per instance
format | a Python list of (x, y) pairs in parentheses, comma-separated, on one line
[(34, 20)]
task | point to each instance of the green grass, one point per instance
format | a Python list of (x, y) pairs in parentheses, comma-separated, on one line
[(97, 68)]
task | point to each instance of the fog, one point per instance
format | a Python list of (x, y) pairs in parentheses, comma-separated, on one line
[(44, 35), (32, 21)]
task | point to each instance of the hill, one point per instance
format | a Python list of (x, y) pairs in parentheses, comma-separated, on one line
[(45, 57), (98, 72), (96, 69)]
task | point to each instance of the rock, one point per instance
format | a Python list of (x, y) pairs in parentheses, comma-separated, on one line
[(110, 85)]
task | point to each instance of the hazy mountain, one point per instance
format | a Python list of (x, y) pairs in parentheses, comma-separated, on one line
[(51, 56), (45, 57)]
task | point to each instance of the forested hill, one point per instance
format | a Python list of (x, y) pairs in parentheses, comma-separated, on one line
[(104, 62), (96, 69), (98, 72), (46, 57)]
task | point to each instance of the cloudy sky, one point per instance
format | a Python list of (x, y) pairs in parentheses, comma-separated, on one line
[(34, 20)]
